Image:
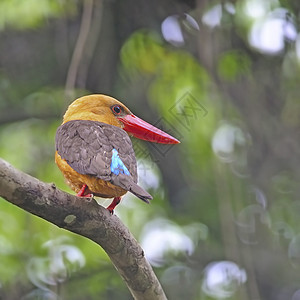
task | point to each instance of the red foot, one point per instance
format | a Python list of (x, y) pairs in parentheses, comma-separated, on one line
[(114, 203), (83, 191)]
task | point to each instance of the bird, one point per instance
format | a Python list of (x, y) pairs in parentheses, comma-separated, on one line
[(94, 151)]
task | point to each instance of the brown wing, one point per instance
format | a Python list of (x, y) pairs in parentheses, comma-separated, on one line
[(87, 146)]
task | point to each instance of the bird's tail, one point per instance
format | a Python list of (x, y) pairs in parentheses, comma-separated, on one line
[(140, 192)]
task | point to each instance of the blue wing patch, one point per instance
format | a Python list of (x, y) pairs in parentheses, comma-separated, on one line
[(117, 166)]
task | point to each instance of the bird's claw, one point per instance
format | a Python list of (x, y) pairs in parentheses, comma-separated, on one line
[(82, 192), (113, 204), (111, 211), (89, 196)]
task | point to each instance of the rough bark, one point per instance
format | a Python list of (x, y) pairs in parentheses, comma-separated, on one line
[(84, 217)]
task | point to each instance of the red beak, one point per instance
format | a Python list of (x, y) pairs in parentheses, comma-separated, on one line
[(145, 131)]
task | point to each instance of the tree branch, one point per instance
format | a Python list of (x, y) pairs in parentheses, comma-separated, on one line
[(84, 217)]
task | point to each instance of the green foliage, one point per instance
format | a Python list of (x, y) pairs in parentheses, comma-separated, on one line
[(27, 14), (226, 197), (142, 52), (233, 65)]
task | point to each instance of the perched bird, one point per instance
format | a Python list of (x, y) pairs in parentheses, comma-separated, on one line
[(94, 151)]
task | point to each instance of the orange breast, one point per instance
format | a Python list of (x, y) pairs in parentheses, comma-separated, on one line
[(97, 186)]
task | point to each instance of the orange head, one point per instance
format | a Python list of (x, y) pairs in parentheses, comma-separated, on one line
[(108, 110)]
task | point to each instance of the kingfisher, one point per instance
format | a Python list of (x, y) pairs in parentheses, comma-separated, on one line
[(94, 151)]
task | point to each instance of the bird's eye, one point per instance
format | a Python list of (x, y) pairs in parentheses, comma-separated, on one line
[(116, 109)]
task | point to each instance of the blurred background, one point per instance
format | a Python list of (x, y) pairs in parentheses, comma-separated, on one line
[(223, 78)]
